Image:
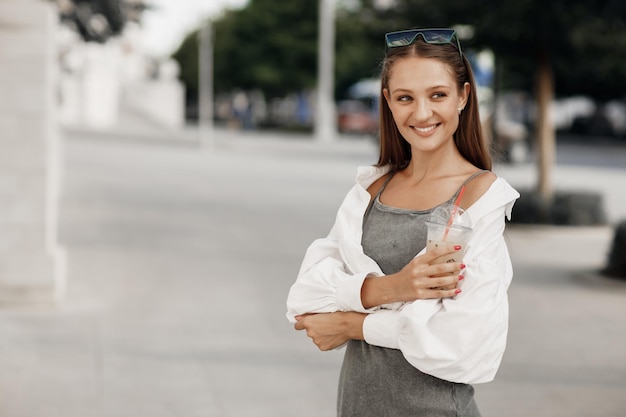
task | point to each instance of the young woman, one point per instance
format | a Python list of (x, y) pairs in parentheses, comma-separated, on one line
[(417, 333)]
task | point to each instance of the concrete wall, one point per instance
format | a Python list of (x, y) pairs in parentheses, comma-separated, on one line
[(159, 101), (108, 86), (31, 261)]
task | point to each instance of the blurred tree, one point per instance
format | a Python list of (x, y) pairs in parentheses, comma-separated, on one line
[(564, 46), (553, 47), (98, 20), (361, 25), (187, 57), (267, 45), (584, 39), (272, 46), (359, 50)]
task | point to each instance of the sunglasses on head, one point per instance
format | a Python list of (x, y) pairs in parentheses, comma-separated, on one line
[(432, 36)]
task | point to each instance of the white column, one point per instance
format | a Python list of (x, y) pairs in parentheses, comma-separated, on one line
[(326, 119), (205, 93), (31, 261), (101, 85)]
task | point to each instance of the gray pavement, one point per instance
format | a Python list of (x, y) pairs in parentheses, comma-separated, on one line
[(180, 258)]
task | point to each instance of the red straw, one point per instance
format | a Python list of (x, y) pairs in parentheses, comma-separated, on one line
[(457, 202)]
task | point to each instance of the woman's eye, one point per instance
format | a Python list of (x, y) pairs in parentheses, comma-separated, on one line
[(404, 98), (439, 95)]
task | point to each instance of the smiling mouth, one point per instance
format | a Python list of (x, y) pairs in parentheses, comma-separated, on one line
[(426, 129)]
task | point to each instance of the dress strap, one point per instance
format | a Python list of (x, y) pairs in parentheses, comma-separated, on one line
[(471, 177), (369, 207), (384, 185)]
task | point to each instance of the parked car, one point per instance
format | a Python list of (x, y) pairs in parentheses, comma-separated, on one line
[(355, 116), (608, 119)]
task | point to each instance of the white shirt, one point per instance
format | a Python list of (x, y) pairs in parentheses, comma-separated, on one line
[(460, 339)]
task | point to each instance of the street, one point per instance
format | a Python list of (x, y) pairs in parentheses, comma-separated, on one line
[(180, 259)]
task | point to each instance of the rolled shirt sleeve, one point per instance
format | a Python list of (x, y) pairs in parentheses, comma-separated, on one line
[(325, 286), (334, 268)]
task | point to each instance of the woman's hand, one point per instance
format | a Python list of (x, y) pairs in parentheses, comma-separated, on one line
[(331, 330), (420, 279)]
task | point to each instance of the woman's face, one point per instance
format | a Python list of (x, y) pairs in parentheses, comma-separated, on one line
[(424, 100)]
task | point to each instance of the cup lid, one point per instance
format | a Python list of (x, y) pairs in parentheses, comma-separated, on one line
[(441, 215)]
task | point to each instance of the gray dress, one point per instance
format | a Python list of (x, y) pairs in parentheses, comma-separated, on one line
[(380, 382)]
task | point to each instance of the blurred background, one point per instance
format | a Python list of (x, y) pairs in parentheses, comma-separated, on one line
[(264, 62), (166, 164)]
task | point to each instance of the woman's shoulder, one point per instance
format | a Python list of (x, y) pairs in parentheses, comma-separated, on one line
[(477, 187), (372, 177), (377, 185), (498, 194)]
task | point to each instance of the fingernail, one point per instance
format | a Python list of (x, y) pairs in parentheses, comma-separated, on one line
[(463, 266), (461, 277), (458, 290), (457, 247)]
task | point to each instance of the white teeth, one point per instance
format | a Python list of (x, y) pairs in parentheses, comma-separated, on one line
[(425, 129)]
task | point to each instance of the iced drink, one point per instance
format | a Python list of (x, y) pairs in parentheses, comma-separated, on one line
[(456, 235), (448, 225)]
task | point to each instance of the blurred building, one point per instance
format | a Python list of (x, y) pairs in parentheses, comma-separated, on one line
[(105, 79), (72, 63)]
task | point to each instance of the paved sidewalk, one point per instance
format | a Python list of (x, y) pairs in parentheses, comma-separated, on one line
[(180, 258)]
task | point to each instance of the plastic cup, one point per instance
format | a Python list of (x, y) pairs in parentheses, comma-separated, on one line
[(456, 235), (448, 225)]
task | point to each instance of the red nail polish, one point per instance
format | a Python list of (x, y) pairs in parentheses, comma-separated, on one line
[(457, 247), (463, 266), (458, 290), (461, 277)]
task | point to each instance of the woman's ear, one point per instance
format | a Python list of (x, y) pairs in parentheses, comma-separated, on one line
[(386, 94), (465, 95)]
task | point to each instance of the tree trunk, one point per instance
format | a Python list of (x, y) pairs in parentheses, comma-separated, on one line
[(545, 136)]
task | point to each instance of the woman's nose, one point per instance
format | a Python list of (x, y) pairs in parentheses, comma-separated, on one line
[(422, 110)]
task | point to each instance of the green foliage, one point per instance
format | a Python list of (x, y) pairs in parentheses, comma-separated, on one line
[(187, 57), (584, 41), (358, 52), (269, 45), (272, 45), (81, 17)]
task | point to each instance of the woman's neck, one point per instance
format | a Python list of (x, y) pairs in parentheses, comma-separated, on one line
[(441, 162)]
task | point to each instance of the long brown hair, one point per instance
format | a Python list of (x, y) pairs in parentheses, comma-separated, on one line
[(394, 150)]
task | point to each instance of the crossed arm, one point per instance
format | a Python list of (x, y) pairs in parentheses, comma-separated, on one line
[(419, 279)]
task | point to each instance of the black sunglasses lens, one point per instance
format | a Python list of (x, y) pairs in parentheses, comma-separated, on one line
[(400, 38), (407, 37), (438, 36)]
